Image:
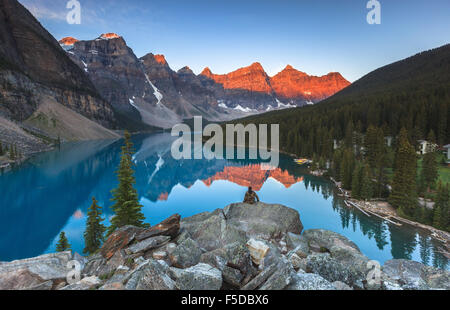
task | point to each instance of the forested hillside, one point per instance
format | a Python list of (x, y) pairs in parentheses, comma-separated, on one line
[(413, 93)]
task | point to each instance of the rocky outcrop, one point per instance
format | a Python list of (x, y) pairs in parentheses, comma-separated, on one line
[(242, 247), (29, 273), (34, 70)]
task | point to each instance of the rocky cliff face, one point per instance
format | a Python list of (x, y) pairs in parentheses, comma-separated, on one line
[(35, 70), (33, 63)]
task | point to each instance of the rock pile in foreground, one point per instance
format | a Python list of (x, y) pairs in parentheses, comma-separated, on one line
[(242, 247)]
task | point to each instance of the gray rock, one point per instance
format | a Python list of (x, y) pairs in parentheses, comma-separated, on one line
[(81, 259), (344, 263), (200, 277), (130, 280), (263, 220), (49, 267), (297, 262), (281, 278), (148, 244), (299, 243), (186, 255), (45, 286), (211, 231), (308, 281), (341, 286), (154, 276), (333, 269), (411, 275), (233, 260), (19, 280), (85, 284), (232, 276), (260, 278)]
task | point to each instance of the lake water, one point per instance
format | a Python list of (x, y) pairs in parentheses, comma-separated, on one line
[(51, 193)]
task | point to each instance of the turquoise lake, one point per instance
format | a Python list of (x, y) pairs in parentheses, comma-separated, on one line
[(52, 191)]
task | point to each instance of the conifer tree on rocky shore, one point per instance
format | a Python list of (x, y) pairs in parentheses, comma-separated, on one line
[(95, 230), (63, 244), (127, 209)]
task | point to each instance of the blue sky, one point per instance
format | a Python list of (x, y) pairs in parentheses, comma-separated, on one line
[(314, 36)]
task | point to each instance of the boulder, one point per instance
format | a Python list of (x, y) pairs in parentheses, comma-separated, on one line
[(281, 278), (154, 276), (298, 243), (341, 286), (119, 240), (333, 269), (199, 277), (297, 262), (81, 259), (258, 250), (308, 281), (19, 279), (260, 278), (45, 286), (234, 261), (262, 220), (147, 245), (186, 255), (84, 284), (324, 240), (169, 227), (26, 273), (411, 275), (233, 277), (211, 231), (344, 261)]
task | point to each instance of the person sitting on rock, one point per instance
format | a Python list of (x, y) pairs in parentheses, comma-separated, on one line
[(251, 197)]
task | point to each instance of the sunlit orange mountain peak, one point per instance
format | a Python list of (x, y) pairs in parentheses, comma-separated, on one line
[(68, 41), (110, 35)]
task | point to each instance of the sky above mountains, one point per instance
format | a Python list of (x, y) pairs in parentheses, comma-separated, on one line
[(316, 37)]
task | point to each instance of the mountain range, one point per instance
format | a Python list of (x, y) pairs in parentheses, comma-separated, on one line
[(87, 89), (164, 97)]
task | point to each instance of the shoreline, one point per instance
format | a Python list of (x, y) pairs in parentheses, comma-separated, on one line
[(386, 212), (234, 248)]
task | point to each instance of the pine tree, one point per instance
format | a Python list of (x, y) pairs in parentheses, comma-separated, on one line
[(95, 231), (429, 172), (356, 186), (63, 244), (347, 168), (403, 196), (441, 218), (366, 190), (127, 209)]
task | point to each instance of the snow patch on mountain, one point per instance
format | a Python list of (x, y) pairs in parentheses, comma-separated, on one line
[(282, 105), (85, 66), (157, 93)]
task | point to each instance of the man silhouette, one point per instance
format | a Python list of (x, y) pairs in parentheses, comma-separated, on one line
[(251, 197)]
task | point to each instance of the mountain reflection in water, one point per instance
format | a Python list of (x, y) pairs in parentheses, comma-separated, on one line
[(52, 192)]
